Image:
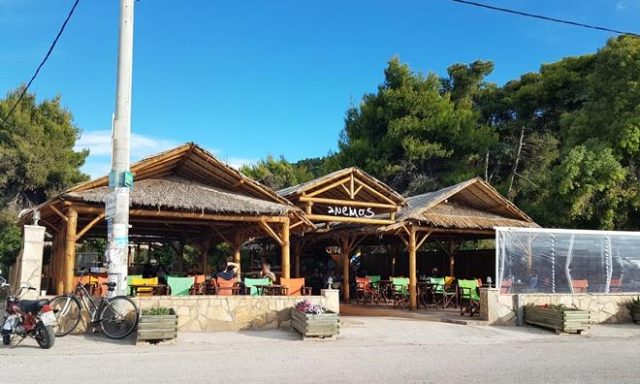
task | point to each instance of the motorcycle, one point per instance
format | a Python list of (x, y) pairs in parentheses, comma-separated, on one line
[(23, 318)]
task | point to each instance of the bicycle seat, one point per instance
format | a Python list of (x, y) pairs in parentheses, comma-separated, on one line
[(32, 306), (110, 284)]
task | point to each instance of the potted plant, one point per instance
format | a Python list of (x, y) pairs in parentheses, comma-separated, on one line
[(557, 317), (157, 324), (312, 320), (634, 309)]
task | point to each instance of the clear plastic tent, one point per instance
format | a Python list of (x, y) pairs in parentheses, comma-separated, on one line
[(541, 260)]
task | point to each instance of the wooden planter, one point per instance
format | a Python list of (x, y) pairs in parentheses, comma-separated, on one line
[(156, 328), (561, 320), (634, 310), (310, 325)]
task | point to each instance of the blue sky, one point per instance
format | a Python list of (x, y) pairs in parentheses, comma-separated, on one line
[(249, 78)]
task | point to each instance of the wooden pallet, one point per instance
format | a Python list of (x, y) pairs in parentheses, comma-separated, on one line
[(560, 320), (156, 328), (324, 326)]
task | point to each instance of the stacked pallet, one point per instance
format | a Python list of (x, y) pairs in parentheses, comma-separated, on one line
[(325, 325), (567, 320)]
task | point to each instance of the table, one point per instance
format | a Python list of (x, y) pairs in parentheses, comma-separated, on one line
[(271, 290), (157, 288)]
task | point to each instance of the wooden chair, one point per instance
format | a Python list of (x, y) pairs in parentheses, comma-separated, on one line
[(227, 287), (468, 297), (180, 286), (400, 286), (295, 287), (199, 285), (144, 291), (364, 290), (580, 286)]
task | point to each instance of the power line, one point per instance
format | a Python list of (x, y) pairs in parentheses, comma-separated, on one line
[(547, 18), (46, 57)]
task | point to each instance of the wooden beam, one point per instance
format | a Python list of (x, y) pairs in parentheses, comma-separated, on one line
[(222, 236), (237, 248), (345, 269), (413, 293), (351, 187), (421, 241), (190, 215), (270, 232), (286, 251), (328, 187), (349, 219), (89, 226), (373, 191), (57, 212), (354, 203), (70, 250)]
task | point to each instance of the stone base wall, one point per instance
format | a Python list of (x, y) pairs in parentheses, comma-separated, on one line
[(501, 309), (234, 313)]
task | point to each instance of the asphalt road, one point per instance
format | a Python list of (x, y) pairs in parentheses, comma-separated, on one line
[(372, 350)]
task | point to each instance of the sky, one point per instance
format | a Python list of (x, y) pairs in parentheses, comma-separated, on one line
[(245, 79)]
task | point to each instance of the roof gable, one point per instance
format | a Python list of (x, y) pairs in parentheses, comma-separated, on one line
[(191, 162), (474, 198), (347, 195)]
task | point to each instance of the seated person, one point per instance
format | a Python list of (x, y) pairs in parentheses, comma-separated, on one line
[(266, 272), (229, 273)]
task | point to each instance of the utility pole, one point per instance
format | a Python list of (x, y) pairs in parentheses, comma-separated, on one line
[(120, 178)]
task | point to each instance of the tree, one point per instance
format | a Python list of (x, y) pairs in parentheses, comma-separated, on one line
[(37, 160), (37, 156), (277, 173), (419, 132)]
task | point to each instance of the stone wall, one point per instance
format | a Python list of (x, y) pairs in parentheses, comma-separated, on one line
[(500, 309), (233, 313)]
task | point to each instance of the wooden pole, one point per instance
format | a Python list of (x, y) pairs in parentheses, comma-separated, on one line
[(345, 268), (297, 250), (205, 255), (452, 258), (413, 293), (237, 246), (286, 249), (70, 249)]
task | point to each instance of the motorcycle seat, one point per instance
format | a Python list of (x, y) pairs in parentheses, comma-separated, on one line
[(32, 306)]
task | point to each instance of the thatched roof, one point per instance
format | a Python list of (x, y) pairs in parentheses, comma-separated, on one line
[(297, 190), (471, 204), (180, 194)]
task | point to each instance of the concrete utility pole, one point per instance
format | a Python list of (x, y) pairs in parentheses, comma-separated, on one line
[(120, 178)]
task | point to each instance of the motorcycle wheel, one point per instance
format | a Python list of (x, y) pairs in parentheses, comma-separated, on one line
[(45, 336)]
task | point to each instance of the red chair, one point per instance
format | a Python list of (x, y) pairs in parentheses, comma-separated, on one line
[(580, 286), (615, 285), (198, 285), (506, 285), (295, 287), (227, 287), (364, 290)]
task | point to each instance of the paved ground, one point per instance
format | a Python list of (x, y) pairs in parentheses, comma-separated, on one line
[(372, 350)]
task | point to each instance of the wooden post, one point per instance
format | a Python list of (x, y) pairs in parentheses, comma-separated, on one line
[(452, 258), (297, 250), (237, 246), (286, 257), (345, 269), (413, 293), (205, 255), (70, 249), (180, 257)]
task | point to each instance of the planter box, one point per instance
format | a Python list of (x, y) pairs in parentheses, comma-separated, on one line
[(634, 310), (310, 325), (155, 328), (561, 320)]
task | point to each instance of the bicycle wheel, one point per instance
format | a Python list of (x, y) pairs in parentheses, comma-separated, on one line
[(67, 311), (119, 317)]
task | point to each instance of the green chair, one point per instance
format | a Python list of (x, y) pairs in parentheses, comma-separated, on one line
[(180, 286), (251, 284), (130, 278), (469, 297), (444, 294), (400, 287)]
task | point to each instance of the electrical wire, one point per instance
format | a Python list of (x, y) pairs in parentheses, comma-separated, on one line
[(46, 57), (547, 18)]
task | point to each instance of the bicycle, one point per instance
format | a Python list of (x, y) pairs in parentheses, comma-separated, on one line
[(118, 316)]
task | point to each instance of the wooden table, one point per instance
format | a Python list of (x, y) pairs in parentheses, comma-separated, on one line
[(157, 288), (271, 290)]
